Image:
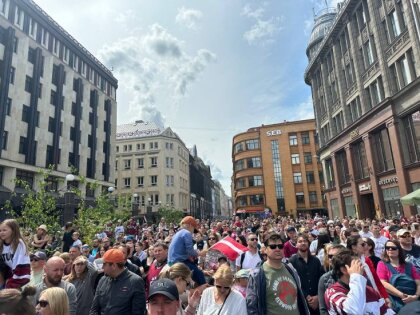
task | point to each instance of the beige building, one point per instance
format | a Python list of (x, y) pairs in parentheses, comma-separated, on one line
[(152, 165), (57, 104), (364, 65)]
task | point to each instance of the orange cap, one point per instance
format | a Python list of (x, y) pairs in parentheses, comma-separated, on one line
[(189, 220), (113, 256)]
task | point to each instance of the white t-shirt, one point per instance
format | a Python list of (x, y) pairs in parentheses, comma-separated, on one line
[(379, 245), (250, 260), (235, 304)]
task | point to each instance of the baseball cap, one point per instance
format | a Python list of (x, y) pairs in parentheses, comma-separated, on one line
[(291, 229), (113, 256), (189, 220), (330, 222), (39, 255), (243, 273), (85, 246), (165, 287), (401, 232), (44, 227), (393, 228)]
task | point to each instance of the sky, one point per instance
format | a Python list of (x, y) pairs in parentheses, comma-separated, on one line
[(208, 69)]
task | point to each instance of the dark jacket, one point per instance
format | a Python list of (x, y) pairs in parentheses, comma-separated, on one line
[(256, 295), (122, 295), (326, 280)]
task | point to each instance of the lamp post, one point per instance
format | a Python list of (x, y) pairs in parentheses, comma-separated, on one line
[(135, 206), (69, 204)]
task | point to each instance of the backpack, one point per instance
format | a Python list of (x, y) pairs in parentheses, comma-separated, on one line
[(243, 257), (404, 282)]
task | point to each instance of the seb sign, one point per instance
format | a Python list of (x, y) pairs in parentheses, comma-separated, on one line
[(273, 133)]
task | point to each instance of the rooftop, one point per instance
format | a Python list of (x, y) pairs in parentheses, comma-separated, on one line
[(138, 129)]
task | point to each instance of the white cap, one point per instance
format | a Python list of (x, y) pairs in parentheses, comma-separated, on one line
[(330, 222)]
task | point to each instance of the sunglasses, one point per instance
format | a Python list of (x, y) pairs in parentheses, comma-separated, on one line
[(253, 239), (42, 303), (212, 238), (222, 287), (274, 246), (391, 247), (34, 259), (405, 236)]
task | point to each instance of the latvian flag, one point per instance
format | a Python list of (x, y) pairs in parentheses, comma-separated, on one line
[(229, 247)]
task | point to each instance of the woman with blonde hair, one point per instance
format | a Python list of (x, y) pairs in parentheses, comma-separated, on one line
[(181, 275), (14, 254), (83, 276), (53, 301), (221, 299)]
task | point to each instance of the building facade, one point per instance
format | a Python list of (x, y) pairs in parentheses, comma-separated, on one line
[(57, 104), (152, 166), (201, 187), (363, 73), (275, 169)]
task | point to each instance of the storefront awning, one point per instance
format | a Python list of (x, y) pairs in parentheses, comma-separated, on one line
[(412, 199)]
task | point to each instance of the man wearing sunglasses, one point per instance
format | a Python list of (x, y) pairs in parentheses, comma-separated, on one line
[(411, 251), (38, 260), (274, 287), (250, 258)]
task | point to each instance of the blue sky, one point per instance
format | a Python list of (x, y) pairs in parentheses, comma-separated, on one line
[(207, 69)]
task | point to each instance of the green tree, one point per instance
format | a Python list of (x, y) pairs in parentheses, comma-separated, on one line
[(38, 207), (171, 215)]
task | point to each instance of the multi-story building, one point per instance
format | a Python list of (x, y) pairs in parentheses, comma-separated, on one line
[(201, 187), (363, 72), (152, 166), (57, 103), (275, 168)]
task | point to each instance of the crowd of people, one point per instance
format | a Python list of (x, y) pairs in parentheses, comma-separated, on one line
[(308, 265)]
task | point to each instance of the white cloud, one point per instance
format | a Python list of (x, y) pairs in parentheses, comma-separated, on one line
[(304, 110), (154, 68), (189, 18), (263, 30)]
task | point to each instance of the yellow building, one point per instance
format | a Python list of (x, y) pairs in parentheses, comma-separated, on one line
[(275, 168)]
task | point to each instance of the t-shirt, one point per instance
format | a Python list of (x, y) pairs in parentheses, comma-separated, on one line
[(234, 304), (379, 245), (413, 256), (250, 260), (281, 291), (385, 274)]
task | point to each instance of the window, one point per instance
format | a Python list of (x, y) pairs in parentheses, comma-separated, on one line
[(25, 113), (402, 72), (4, 6), (307, 157), (8, 106), (140, 163), (255, 181), (28, 84), (310, 178), (395, 27), (342, 167), (169, 162), (127, 182), (26, 177), (297, 178), (412, 136), (329, 173), (32, 28), (361, 169), (300, 198), (127, 164), (31, 55), (170, 180), (368, 53), (241, 201), (305, 137), (19, 16), (313, 197), (239, 165), (12, 75), (153, 161), (240, 183), (295, 158), (256, 200), (75, 62), (153, 180), (5, 138), (15, 44), (254, 162), (354, 110), (51, 124), (252, 144), (22, 145), (338, 122), (382, 151), (56, 46), (66, 54), (140, 181), (374, 93), (239, 147), (293, 139), (45, 38)]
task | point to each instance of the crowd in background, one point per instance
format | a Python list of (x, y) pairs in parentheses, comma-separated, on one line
[(309, 265)]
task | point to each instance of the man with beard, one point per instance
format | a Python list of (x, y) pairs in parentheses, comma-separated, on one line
[(251, 257), (411, 251), (309, 270), (54, 271)]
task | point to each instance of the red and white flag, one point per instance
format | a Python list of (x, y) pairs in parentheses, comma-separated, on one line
[(229, 247)]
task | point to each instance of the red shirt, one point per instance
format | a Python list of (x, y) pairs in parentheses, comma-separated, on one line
[(152, 275), (289, 249)]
